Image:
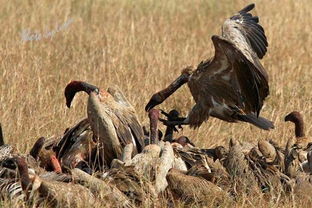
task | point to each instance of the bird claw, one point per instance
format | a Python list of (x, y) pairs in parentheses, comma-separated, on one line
[(165, 122), (173, 124)]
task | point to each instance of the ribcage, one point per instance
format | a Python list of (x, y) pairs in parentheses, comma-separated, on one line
[(11, 189)]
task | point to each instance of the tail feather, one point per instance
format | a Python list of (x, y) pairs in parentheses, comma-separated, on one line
[(257, 121)]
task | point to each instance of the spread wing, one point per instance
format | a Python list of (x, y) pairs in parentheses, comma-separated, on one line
[(235, 75), (245, 33)]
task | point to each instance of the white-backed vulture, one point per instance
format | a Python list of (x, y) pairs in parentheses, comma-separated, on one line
[(113, 120), (47, 158), (297, 119), (301, 141), (233, 84), (298, 148)]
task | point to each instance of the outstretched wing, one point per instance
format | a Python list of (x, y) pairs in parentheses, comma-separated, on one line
[(245, 33), (235, 74)]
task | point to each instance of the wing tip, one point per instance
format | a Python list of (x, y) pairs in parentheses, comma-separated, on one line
[(247, 8)]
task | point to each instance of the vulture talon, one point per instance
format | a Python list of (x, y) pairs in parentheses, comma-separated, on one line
[(175, 129), (171, 124), (164, 113)]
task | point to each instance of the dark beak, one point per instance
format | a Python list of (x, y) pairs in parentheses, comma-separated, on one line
[(162, 95), (76, 86), (155, 100), (35, 150)]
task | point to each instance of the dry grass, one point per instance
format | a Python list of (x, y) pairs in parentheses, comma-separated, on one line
[(141, 46)]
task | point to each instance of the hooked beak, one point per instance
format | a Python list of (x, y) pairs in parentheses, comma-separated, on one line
[(35, 150), (162, 95), (76, 86), (287, 118), (155, 100)]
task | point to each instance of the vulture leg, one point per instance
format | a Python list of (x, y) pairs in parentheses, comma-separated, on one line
[(162, 95), (174, 123), (173, 115), (1, 136)]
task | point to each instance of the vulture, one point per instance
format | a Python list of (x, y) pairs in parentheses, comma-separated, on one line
[(297, 119), (232, 85), (300, 141), (46, 157), (298, 149), (112, 118)]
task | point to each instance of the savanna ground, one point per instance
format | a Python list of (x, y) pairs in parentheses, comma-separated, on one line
[(141, 46)]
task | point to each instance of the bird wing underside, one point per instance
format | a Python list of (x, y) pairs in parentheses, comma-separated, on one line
[(232, 79)]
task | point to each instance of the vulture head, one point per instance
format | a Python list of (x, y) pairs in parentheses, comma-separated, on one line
[(46, 157), (183, 140), (156, 99), (294, 117), (297, 119), (35, 150), (77, 86)]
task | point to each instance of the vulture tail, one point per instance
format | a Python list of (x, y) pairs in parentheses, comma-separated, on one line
[(257, 121)]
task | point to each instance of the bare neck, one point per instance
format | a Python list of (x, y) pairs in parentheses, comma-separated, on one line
[(299, 128), (1, 136)]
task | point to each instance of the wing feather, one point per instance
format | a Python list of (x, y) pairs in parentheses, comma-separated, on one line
[(129, 130), (132, 128), (252, 82), (247, 8), (130, 120), (243, 30)]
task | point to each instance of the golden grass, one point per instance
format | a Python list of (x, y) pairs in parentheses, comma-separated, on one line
[(141, 46)]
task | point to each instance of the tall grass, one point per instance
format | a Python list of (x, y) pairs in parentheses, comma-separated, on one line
[(141, 46)]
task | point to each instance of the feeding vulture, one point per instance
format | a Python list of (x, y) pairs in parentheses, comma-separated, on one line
[(113, 120), (233, 84)]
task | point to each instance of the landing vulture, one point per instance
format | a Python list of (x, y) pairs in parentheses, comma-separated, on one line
[(233, 84)]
